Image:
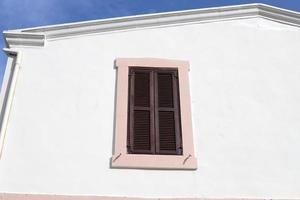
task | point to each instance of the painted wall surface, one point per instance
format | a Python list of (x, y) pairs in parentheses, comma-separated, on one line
[(245, 87)]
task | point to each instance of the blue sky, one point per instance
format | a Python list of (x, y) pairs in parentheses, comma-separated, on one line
[(15, 14)]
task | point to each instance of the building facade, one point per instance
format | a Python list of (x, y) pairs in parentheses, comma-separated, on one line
[(71, 127)]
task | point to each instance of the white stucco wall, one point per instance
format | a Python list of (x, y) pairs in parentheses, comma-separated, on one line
[(245, 87)]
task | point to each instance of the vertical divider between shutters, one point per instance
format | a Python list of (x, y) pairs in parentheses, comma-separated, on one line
[(156, 112), (152, 112)]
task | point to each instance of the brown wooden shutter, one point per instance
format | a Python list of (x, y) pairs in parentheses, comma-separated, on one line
[(154, 112), (141, 114), (168, 130)]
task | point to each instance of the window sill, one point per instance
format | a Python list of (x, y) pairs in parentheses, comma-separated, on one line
[(142, 161)]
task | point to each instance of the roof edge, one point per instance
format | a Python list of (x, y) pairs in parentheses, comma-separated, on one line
[(15, 39), (37, 36)]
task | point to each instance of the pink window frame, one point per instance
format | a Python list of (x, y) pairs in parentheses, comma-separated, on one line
[(121, 159)]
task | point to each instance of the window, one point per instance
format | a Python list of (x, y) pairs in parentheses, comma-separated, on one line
[(153, 126), (153, 112)]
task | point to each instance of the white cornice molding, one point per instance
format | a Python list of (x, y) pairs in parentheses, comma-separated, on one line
[(278, 14), (14, 39), (37, 36)]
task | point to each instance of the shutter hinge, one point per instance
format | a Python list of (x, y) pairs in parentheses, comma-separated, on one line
[(179, 150), (130, 73)]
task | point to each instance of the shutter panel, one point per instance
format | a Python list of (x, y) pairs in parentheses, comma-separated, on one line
[(141, 114), (141, 130), (142, 89), (165, 90), (168, 133)]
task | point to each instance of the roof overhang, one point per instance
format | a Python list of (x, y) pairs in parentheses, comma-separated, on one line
[(38, 36)]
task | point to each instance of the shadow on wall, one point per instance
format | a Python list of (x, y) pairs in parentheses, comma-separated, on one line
[(6, 96)]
